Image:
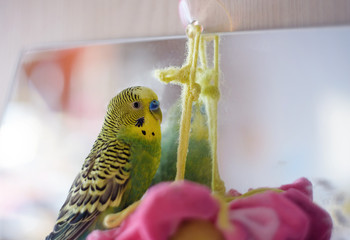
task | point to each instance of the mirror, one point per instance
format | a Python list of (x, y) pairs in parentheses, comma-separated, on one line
[(284, 113)]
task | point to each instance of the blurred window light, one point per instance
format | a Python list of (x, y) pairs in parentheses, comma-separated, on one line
[(19, 135), (335, 136)]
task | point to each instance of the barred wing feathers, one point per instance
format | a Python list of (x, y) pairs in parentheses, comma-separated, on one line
[(100, 184)]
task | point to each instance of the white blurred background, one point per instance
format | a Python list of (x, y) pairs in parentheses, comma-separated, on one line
[(284, 111)]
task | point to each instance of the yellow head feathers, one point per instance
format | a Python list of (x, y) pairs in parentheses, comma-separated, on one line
[(135, 110)]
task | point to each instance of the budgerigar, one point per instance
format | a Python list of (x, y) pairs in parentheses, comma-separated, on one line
[(199, 161), (120, 166)]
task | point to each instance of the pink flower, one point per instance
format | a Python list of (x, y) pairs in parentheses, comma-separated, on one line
[(164, 207), (287, 215), (168, 209)]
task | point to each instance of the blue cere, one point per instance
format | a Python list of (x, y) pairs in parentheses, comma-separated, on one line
[(154, 105)]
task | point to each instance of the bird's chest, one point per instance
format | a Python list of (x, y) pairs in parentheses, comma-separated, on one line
[(144, 164)]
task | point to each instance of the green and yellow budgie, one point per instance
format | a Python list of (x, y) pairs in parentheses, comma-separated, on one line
[(199, 160), (120, 166)]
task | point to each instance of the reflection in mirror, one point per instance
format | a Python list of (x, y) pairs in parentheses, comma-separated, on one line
[(284, 113)]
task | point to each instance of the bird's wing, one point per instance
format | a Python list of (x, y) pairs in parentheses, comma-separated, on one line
[(101, 183)]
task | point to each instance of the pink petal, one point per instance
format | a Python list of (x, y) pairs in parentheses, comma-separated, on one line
[(302, 184), (102, 235), (269, 215), (233, 193), (162, 210), (320, 226)]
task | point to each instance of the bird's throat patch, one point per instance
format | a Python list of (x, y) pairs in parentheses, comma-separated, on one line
[(139, 122)]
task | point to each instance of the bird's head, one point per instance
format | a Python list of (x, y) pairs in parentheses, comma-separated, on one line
[(135, 111)]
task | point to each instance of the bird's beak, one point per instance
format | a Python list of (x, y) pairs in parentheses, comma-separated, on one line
[(157, 114)]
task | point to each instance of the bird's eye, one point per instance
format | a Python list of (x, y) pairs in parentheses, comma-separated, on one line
[(154, 105), (136, 105)]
